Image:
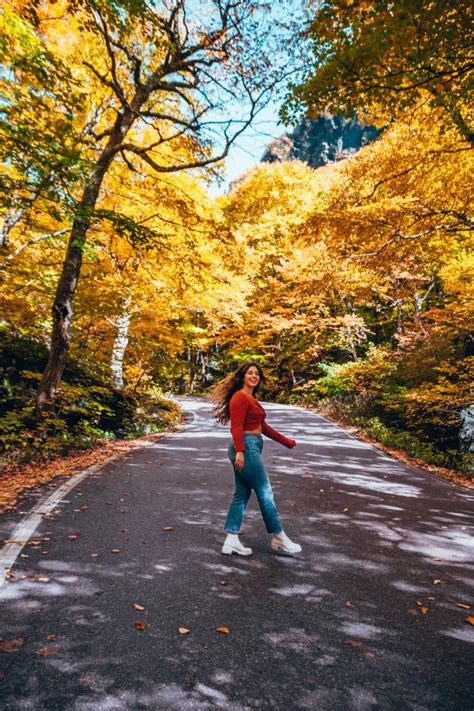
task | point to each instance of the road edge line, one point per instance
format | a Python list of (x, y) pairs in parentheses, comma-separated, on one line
[(24, 531)]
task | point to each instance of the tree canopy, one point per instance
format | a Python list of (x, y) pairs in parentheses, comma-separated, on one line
[(121, 276), (382, 57)]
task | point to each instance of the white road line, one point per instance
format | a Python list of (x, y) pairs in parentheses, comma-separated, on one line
[(25, 530)]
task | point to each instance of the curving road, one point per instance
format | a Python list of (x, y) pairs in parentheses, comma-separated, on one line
[(372, 614)]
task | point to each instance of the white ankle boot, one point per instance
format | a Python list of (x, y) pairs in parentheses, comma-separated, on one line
[(233, 545), (282, 544)]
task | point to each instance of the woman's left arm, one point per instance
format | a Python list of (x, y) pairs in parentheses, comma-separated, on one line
[(277, 436)]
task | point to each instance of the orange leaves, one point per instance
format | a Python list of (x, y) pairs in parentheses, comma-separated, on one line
[(46, 651), (140, 608), (140, 625), (470, 620), (357, 644), (183, 630), (11, 645), (223, 630), (463, 605)]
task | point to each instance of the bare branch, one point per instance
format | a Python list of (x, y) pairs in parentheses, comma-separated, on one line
[(31, 242)]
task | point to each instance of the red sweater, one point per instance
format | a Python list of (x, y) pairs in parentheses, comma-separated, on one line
[(247, 414)]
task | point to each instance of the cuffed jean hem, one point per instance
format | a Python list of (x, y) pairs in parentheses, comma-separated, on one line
[(270, 533)]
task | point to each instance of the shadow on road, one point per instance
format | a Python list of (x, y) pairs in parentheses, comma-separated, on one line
[(371, 615)]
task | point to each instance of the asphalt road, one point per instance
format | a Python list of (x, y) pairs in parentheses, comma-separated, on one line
[(369, 616)]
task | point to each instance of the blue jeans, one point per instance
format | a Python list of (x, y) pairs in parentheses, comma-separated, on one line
[(252, 476)]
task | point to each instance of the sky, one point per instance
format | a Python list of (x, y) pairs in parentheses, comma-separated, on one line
[(250, 146), (248, 149), (276, 27)]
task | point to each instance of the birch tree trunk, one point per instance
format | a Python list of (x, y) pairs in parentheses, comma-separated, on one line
[(12, 217), (121, 341)]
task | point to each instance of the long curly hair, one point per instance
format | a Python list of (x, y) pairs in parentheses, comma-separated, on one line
[(222, 391)]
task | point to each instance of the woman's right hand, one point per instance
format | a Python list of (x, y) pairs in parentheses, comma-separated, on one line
[(239, 461)]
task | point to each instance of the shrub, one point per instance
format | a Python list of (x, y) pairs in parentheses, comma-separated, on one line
[(87, 409)]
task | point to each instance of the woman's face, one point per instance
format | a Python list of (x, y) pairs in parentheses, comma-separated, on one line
[(252, 377)]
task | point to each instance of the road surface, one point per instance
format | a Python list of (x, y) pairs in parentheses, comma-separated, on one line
[(371, 615)]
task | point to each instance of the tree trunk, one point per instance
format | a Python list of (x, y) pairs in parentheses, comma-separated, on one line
[(352, 345), (12, 217), (62, 308), (121, 341)]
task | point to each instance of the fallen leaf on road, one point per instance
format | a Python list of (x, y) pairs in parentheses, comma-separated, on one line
[(35, 543), (9, 574), (138, 607), (424, 610), (354, 643), (140, 625), (73, 536), (183, 630), (11, 645), (168, 528), (370, 655), (115, 550), (94, 555), (470, 619), (46, 651), (461, 604), (437, 581), (42, 579), (344, 510), (223, 630), (84, 508), (349, 603), (51, 637), (418, 602), (223, 582)]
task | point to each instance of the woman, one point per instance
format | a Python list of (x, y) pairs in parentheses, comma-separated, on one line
[(234, 399)]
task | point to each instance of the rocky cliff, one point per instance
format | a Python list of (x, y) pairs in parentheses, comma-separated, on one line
[(323, 140)]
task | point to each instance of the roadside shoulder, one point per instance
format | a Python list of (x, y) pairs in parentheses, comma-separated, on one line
[(359, 433)]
